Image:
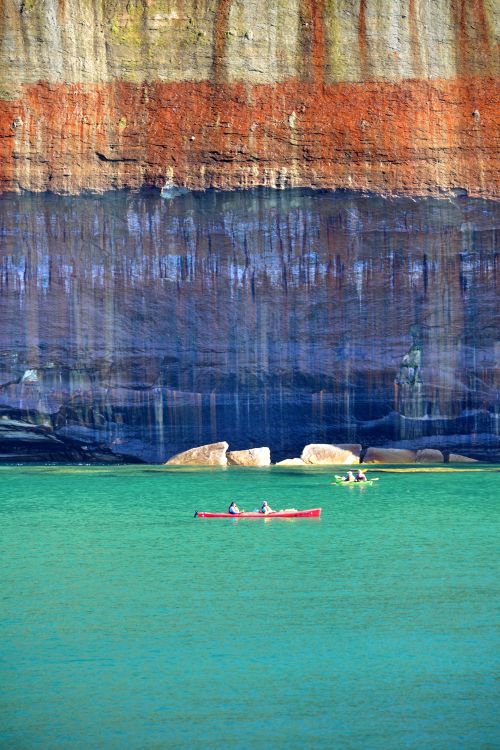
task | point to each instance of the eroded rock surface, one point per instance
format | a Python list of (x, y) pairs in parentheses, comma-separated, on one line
[(269, 318), (429, 456), (457, 458), (326, 453), (21, 441), (250, 457), (291, 462), (389, 456), (394, 97)]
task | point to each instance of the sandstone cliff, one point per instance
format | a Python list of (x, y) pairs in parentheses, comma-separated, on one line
[(378, 95), (270, 318)]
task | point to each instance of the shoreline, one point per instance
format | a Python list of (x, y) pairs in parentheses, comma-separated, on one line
[(25, 443), (75, 468), (315, 454), (171, 194)]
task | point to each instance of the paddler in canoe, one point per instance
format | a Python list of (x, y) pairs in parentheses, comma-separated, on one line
[(266, 508), (361, 476)]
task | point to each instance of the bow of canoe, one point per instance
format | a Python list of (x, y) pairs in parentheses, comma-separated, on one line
[(311, 513)]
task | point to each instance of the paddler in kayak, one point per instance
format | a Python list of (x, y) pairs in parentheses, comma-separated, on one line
[(233, 509), (350, 477), (361, 476), (265, 508)]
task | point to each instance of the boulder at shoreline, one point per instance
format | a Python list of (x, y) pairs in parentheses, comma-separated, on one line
[(250, 457), (329, 454), (429, 456), (213, 454), (389, 456), (314, 454), (456, 458)]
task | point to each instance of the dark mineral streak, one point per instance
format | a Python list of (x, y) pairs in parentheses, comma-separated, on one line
[(260, 318)]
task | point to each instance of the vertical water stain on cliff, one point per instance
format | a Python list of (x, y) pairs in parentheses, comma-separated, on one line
[(306, 39), (220, 41), (413, 24), (473, 37), (312, 26), (280, 318), (235, 95), (318, 46), (362, 39)]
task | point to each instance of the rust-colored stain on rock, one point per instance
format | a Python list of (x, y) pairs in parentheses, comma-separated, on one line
[(410, 137), (393, 97)]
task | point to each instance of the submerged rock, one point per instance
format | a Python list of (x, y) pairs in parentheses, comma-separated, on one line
[(291, 462), (326, 453), (250, 457), (389, 456), (429, 456), (213, 454)]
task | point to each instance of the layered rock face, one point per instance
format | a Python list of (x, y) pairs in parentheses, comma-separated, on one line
[(21, 441), (262, 318), (378, 95)]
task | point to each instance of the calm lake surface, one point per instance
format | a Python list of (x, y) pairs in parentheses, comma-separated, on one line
[(127, 623)]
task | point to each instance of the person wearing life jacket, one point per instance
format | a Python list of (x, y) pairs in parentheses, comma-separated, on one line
[(361, 476), (265, 508), (233, 509), (350, 477)]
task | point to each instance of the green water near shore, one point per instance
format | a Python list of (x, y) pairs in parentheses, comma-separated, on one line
[(125, 622)]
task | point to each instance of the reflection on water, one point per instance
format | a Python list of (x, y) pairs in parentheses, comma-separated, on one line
[(261, 318)]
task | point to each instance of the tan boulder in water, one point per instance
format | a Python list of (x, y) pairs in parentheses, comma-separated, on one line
[(213, 454), (291, 462), (389, 456), (456, 458), (429, 456), (250, 457), (329, 454)]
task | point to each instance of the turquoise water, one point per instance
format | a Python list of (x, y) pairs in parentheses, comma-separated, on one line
[(127, 623)]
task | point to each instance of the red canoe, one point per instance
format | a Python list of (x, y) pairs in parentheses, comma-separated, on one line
[(312, 513)]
